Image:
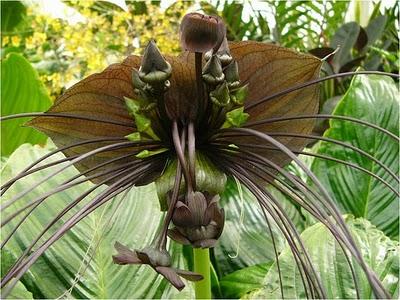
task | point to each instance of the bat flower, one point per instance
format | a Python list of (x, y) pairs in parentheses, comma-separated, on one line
[(198, 220), (219, 109), (159, 260)]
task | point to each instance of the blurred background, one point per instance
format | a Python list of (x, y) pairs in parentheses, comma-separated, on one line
[(68, 40)]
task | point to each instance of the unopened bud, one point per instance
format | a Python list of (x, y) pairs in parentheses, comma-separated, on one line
[(212, 72), (220, 96), (154, 68), (232, 75), (223, 53)]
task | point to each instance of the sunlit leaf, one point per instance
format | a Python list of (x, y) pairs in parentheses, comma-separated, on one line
[(12, 13), (21, 91), (373, 99), (379, 251)]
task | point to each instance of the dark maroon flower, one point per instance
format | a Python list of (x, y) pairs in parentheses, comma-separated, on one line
[(200, 33), (198, 219), (159, 260)]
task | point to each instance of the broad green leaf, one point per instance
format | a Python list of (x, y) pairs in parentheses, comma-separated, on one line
[(237, 284), (132, 220), (381, 253), (20, 291), (373, 99), (247, 242), (21, 91), (12, 13)]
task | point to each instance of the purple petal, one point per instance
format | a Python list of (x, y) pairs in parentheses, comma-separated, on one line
[(197, 204), (178, 237), (171, 276), (125, 256), (188, 275), (182, 215)]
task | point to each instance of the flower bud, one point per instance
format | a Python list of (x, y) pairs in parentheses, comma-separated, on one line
[(223, 53), (199, 221), (200, 33), (212, 72), (220, 96), (232, 75), (138, 84), (154, 68)]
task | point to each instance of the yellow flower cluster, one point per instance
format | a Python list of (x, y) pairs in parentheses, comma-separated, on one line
[(64, 53)]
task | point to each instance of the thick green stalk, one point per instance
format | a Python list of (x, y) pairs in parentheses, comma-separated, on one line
[(202, 266)]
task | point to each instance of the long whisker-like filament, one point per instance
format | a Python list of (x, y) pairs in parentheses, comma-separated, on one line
[(113, 190), (319, 156), (315, 81), (162, 242), (180, 155), (66, 115), (318, 213), (289, 231), (64, 186), (28, 170), (232, 163), (323, 116), (376, 285), (86, 260), (72, 162), (65, 210), (343, 144)]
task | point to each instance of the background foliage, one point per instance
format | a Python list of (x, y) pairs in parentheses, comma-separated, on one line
[(48, 52)]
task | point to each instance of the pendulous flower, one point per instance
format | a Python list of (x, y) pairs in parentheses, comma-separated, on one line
[(198, 220), (159, 260)]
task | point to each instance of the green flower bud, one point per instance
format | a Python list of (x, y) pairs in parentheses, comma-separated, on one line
[(238, 96), (223, 53), (154, 68), (136, 81), (212, 72), (232, 75), (220, 96)]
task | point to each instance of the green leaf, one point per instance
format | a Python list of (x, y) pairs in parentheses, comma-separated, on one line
[(381, 253), (12, 13), (239, 283), (373, 99), (375, 29), (345, 38), (21, 91), (132, 221), (235, 118)]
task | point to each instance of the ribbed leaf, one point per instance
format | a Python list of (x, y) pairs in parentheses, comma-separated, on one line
[(21, 91), (381, 253), (133, 221), (373, 99), (250, 239)]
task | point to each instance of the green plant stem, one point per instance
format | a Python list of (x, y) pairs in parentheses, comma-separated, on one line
[(202, 266)]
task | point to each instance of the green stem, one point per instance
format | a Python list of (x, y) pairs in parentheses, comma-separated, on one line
[(202, 266)]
